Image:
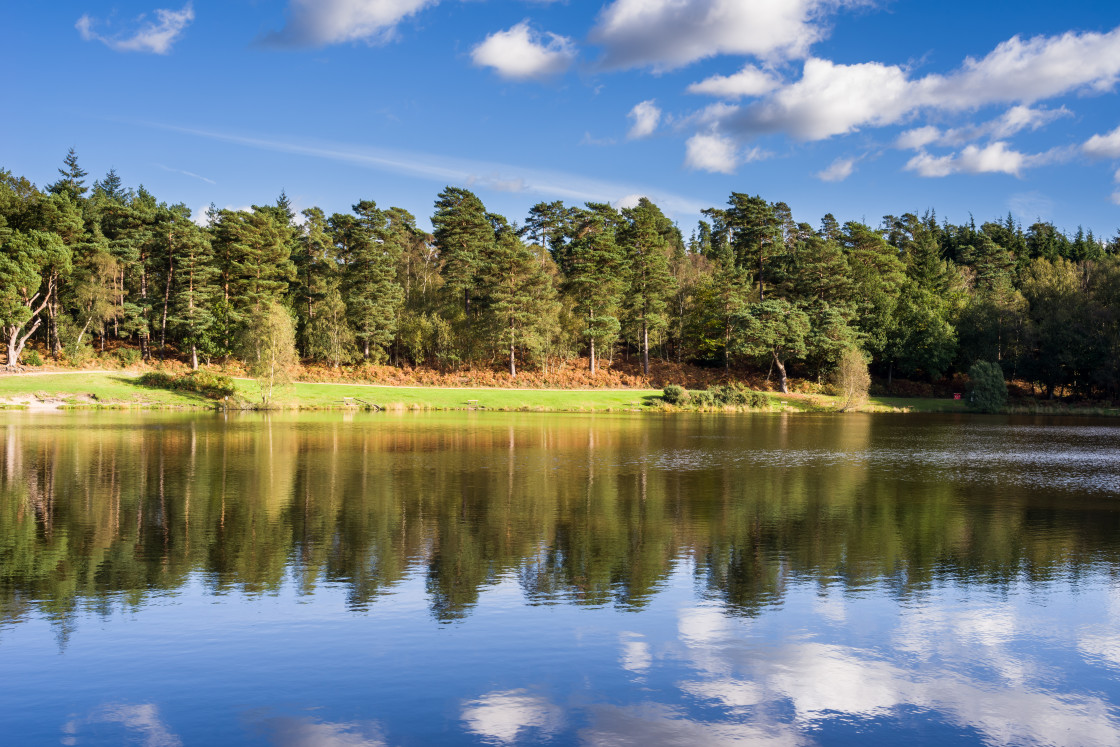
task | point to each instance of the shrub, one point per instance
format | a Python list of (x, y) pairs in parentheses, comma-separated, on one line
[(702, 398), (726, 394), (33, 358), (211, 384), (988, 391), (758, 400), (207, 383), (851, 379), (674, 394), (128, 356)]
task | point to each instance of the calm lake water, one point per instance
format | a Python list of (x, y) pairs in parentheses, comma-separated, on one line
[(484, 578)]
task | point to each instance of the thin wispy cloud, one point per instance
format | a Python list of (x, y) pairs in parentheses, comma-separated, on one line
[(155, 37), (185, 173), (452, 170)]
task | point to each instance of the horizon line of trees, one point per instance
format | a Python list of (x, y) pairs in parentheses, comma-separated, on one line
[(750, 287)]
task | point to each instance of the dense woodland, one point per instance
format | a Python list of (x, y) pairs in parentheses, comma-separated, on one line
[(94, 267)]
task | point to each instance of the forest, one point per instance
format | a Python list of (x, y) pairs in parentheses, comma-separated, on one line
[(90, 268)]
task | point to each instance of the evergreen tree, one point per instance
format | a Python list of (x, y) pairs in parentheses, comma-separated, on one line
[(595, 280), (650, 284), (462, 234)]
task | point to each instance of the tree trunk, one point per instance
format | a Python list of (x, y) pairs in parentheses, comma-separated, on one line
[(16, 343), (512, 362), (592, 356), (783, 385), (194, 358), (645, 347)]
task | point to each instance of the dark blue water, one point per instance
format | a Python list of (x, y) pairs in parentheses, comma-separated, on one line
[(521, 579)]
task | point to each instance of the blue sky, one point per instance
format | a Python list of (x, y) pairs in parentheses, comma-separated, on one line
[(855, 107)]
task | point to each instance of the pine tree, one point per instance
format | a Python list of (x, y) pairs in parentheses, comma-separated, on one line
[(649, 281), (462, 234), (595, 280)]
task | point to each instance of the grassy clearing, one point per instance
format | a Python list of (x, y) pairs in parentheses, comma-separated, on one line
[(333, 396), (112, 390), (91, 390)]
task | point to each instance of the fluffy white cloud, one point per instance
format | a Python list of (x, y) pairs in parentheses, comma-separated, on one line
[(645, 116), (313, 23), (750, 81), (1103, 146), (154, 36), (666, 34), (840, 170), (831, 99), (711, 152), (523, 54), (1014, 120), (1028, 71), (994, 158), (932, 166), (918, 138)]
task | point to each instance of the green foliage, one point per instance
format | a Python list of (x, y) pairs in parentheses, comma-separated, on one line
[(852, 379), (127, 356), (268, 349), (33, 358), (674, 394), (987, 390), (210, 384)]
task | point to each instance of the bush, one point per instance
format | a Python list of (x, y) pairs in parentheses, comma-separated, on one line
[(674, 394), (702, 399), (727, 395), (851, 379), (758, 400), (207, 383), (127, 356), (988, 391), (33, 358)]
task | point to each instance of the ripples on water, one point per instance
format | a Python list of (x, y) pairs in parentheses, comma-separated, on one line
[(517, 579)]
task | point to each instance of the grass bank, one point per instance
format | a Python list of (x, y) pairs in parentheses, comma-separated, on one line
[(121, 390)]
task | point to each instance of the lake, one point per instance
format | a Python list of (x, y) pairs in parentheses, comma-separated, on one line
[(485, 578)]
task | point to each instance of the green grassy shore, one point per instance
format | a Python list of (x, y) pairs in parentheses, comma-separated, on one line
[(121, 390)]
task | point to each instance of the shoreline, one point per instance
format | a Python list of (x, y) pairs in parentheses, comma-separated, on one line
[(52, 391)]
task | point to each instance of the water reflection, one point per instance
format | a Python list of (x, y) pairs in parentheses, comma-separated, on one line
[(604, 580), (101, 513)]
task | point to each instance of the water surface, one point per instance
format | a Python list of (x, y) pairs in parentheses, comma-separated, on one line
[(487, 578)]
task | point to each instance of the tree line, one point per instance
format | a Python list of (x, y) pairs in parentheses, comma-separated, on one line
[(750, 289)]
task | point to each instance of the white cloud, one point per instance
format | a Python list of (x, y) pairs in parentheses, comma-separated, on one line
[(1115, 198), (666, 34), (833, 99), (750, 81), (1011, 122), (629, 201), (1103, 146), (711, 152), (646, 116), (918, 138), (932, 166), (503, 716), (520, 53), (994, 158), (1019, 118), (1028, 71), (154, 36), (840, 170), (314, 23)]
